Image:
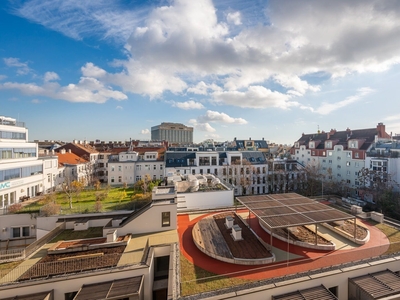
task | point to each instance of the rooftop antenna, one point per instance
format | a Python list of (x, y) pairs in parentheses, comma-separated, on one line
[(318, 129)]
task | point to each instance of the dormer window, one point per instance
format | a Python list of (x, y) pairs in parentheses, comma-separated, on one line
[(311, 145), (328, 144), (353, 144), (296, 145)]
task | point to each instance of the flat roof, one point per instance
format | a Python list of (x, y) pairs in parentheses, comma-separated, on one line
[(110, 289), (290, 210), (315, 293)]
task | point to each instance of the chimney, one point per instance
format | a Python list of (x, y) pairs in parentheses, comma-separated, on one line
[(69, 150), (62, 151), (381, 130)]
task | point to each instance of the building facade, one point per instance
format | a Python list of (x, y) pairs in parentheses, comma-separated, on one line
[(338, 156), (23, 174), (175, 133)]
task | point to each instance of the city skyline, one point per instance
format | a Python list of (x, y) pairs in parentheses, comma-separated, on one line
[(273, 70)]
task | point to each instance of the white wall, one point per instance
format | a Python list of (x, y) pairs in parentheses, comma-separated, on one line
[(204, 200), (16, 220), (150, 220)]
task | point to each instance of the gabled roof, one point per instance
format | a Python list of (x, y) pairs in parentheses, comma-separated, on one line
[(79, 149), (70, 159)]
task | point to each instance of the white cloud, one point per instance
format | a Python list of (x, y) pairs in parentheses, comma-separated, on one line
[(187, 105), (50, 76), (214, 116), (182, 47), (86, 90), (119, 107), (254, 97), (90, 70), (201, 126), (392, 118), (327, 108), (80, 19), (36, 101), (145, 131), (234, 18), (22, 67), (2, 77)]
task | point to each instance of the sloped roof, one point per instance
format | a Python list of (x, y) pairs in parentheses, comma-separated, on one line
[(70, 158), (314, 293), (178, 159)]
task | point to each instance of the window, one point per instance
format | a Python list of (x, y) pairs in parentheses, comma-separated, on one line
[(138, 167), (330, 153), (348, 154), (18, 232), (155, 167), (348, 181), (330, 161), (112, 179), (356, 155), (348, 163), (165, 219)]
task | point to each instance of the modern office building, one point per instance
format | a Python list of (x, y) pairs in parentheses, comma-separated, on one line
[(174, 133), (23, 174)]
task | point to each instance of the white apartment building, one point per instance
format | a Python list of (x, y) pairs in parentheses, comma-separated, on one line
[(339, 156), (247, 171), (129, 167), (23, 174)]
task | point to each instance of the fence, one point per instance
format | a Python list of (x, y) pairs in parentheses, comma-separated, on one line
[(12, 255)]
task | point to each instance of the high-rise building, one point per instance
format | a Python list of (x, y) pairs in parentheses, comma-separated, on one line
[(173, 133)]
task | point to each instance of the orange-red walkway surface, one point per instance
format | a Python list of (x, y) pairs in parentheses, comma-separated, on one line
[(310, 259)]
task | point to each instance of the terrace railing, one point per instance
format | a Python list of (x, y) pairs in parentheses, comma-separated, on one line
[(12, 255)]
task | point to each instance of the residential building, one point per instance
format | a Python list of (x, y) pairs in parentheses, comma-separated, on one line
[(174, 133), (383, 163), (132, 166), (23, 174), (247, 171), (339, 156), (73, 168)]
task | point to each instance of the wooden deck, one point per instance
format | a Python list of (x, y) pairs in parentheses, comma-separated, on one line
[(208, 236)]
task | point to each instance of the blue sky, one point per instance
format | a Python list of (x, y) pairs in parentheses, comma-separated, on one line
[(110, 70)]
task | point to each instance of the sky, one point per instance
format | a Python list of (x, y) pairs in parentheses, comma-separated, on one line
[(110, 70)]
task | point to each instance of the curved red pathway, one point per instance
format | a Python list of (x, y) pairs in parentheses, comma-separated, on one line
[(310, 259)]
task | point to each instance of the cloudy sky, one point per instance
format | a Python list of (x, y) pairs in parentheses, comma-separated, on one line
[(110, 70)]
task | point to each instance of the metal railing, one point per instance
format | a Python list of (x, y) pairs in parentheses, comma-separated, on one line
[(44, 240), (12, 255)]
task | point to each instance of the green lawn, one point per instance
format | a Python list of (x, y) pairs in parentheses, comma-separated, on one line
[(393, 235), (196, 280), (84, 202), (70, 234)]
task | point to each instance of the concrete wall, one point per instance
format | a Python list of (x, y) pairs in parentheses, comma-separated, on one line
[(150, 220), (331, 279), (16, 220)]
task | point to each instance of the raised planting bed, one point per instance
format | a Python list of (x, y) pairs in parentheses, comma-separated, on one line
[(346, 229)]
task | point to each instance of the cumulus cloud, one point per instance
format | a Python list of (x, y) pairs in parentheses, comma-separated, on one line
[(86, 90), (119, 107), (214, 116), (22, 67), (234, 18), (327, 108), (187, 105), (187, 47), (50, 76), (145, 131), (254, 97), (201, 126)]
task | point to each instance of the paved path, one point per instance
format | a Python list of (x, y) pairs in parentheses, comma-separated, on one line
[(300, 259)]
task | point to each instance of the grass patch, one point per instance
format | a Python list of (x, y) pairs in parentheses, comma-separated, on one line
[(393, 235), (5, 268), (84, 202), (70, 234), (196, 280)]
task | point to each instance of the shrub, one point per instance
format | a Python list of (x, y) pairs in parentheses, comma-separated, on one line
[(12, 209), (50, 209), (98, 206), (100, 196)]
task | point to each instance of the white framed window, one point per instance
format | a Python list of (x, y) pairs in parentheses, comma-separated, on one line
[(22, 231)]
